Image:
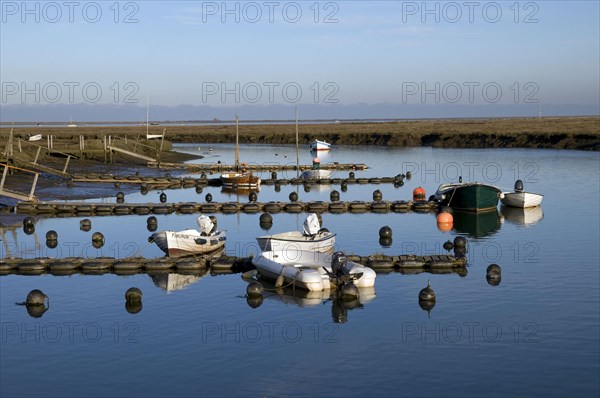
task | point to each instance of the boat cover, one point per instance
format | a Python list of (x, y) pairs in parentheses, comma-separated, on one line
[(311, 224), (205, 224)]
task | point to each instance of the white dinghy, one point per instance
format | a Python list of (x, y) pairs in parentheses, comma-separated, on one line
[(190, 241), (520, 198), (313, 238), (312, 271)]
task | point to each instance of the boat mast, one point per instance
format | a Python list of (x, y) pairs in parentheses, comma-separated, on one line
[(147, 113), (297, 158), (237, 148)]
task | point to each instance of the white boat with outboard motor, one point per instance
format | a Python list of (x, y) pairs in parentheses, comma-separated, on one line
[(520, 198), (190, 241), (313, 238), (309, 270)]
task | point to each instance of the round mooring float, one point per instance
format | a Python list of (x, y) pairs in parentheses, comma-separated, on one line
[(493, 274), (377, 195), (334, 196), (385, 232), (254, 289), (427, 293), (36, 297)]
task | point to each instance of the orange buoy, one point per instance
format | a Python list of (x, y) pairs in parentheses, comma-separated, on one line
[(418, 194), (444, 217), (445, 226), (445, 222)]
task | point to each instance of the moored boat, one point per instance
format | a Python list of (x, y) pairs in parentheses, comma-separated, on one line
[(318, 145), (237, 179), (241, 180), (310, 270), (470, 196), (35, 137), (315, 174), (520, 198), (190, 241), (313, 238)]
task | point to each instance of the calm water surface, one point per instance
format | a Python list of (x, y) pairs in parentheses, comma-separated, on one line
[(535, 334)]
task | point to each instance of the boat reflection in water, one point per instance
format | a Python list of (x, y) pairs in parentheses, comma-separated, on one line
[(477, 224), (237, 191), (170, 282), (305, 298), (522, 216)]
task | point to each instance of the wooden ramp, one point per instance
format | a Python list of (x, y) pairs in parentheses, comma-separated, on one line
[(14, 194), (130, 153), (39, 167)]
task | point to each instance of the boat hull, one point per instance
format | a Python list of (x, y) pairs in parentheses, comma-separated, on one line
[(188, 242), (315, 174), (469, 196), (321, 242), (240, 180), (320, 146), (306, 270), (521, 199)]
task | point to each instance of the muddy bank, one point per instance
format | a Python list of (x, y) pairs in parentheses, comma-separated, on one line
[(581, 133)]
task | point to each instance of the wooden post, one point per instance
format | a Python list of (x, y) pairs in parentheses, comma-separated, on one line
[(4, 173), (37, 155), (162, 140), (66, 164), (104, 146), (33, 186)]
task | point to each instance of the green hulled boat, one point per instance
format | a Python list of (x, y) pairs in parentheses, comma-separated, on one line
[(469, 196)]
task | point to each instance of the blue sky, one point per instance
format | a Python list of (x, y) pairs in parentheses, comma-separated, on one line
[(351, 52)]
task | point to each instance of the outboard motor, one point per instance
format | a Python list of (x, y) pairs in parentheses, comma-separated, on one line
[(338, 262), (205, 224), (518, 186)]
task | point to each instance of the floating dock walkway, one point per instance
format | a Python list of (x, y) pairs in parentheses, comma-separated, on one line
[(75, 209), (409, 264), (218, 167), (169, 182)]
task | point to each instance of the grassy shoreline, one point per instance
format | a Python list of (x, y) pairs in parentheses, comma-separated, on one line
[(580, 133)]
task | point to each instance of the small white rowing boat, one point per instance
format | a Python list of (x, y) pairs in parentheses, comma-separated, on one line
[(520, 198), (318, 145)]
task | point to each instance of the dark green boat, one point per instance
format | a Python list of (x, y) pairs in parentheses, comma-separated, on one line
[(470, 196)]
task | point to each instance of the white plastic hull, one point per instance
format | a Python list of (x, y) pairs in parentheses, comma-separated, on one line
[(316, 174), (305, 270), (521, 199), (317, 145), (36, 137), (183, 243), (322, 242)]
